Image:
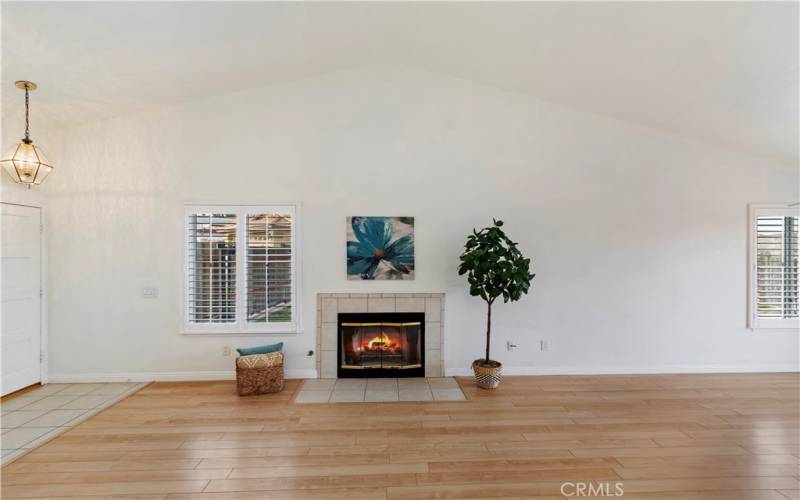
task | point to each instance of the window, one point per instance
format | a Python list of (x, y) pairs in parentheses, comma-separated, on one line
[(240, 274), (774, 267)]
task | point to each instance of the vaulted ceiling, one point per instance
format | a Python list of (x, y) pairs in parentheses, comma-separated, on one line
[(719, 72)]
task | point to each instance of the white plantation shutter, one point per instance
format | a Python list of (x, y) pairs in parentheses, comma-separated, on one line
[(774, 268), (240, 272), (211, 273), (269, 267)]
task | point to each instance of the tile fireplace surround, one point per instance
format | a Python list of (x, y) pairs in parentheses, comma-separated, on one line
[(329, 305)]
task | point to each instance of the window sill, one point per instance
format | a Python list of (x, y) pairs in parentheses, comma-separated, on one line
[(238, 334)]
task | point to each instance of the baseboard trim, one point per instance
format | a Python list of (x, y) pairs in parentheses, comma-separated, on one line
[(72, 378), (193, 376), (632, 370)]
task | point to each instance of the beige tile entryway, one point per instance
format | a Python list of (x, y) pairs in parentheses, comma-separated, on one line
[(36, 416), (360, 390)]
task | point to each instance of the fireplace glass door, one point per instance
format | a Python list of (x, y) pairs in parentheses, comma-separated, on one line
[(381, 348)]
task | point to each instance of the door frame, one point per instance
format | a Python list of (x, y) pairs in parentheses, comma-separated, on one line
[(43, 329)]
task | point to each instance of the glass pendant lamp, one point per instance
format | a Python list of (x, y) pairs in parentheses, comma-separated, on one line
[(26, 163)]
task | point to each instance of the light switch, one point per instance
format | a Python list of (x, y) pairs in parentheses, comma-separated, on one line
[(149, 292)]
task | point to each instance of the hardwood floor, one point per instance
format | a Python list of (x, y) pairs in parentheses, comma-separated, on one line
[(682, 437)]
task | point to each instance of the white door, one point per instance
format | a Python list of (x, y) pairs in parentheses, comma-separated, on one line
[(21, 301)]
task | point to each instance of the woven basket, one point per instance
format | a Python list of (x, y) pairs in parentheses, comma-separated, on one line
[(261, 380), (487, 377)]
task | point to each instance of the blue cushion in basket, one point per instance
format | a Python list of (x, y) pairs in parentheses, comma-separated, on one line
[(261, 349)]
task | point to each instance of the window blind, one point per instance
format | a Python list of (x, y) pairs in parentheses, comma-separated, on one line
[(211, 273), (776, 267), (269, 267), (241, 269)]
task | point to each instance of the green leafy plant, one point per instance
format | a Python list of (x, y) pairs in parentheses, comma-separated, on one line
[(495, 268)]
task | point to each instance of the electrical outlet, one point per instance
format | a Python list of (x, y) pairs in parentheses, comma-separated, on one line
[(226, 350), (510, 345), (544, 345)]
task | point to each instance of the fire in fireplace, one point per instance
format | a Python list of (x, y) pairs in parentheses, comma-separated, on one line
[(381, 345)]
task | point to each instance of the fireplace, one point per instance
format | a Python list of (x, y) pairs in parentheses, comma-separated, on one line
[(381, 345)]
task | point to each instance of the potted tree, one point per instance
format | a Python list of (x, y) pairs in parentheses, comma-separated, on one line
[(495, 268)]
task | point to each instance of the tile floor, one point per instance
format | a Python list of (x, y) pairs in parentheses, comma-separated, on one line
[(34, 417), (355, 390)]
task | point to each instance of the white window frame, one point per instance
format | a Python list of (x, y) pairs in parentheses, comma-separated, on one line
[(754, 211), (241, 325)]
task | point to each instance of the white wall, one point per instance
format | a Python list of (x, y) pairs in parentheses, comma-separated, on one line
[(638, 238)]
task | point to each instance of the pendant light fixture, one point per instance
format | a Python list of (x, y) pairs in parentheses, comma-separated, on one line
[(26, 163)]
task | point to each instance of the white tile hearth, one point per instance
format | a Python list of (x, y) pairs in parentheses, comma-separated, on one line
[(417, 395), (347, 396), (350, 384), (381, 395), (380, 390), (412, 383), (381, 384), (443, 383), (329, 305)]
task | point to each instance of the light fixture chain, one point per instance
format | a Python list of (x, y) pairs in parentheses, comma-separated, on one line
[(27, 124)]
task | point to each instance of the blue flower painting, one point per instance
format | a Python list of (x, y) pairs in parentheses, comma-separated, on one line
[(380, 248)]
